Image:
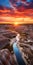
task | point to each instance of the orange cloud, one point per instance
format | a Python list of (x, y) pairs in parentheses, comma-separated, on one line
[(11, 17)]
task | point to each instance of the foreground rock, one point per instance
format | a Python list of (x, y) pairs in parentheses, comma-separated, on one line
[(27, 50), (3, 41)]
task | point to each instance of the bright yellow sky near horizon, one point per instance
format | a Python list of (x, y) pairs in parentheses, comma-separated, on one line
[(16, 21)]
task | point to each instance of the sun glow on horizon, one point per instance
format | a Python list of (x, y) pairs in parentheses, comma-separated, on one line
[(16, 23)]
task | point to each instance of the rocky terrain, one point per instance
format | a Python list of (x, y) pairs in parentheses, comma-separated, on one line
[(27, 50), (7, 32)]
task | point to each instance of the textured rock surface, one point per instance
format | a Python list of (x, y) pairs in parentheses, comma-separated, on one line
[(25, 43)]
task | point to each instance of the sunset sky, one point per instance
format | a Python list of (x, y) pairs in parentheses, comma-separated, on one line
[(16, 11)]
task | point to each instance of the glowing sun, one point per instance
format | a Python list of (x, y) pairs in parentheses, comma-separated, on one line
[(16, 23)]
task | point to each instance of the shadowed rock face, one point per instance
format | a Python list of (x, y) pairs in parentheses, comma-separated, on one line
[(6, 58), (3, 41)]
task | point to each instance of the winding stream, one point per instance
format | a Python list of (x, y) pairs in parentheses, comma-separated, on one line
[(18, 55)]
